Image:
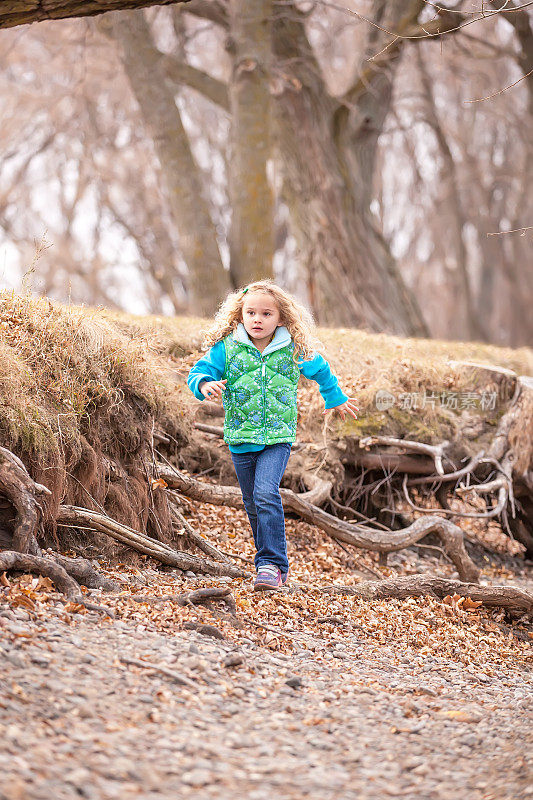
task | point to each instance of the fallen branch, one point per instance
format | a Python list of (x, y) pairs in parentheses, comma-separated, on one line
[(515, 600), (206, 595), (192, 598), (360, 536), (205, 630)]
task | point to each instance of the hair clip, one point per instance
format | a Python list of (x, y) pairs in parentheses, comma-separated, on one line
[(245, 290)]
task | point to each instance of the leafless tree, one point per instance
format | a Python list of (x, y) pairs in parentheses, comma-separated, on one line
[(343, 142)]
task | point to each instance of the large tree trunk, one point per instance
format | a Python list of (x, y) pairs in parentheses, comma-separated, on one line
[(208, 279), (15, 12), (327, 148), (252, 202)]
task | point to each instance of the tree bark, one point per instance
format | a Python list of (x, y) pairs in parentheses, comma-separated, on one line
[(252, 201), (22, 12), (353, 279)]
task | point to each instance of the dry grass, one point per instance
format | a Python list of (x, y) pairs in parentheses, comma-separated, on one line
[(57, 364)]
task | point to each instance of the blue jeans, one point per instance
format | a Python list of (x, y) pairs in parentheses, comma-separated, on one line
[(259, 474)]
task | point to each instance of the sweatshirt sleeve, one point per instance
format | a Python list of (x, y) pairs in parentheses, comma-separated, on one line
[(319, 370), (208, 368)]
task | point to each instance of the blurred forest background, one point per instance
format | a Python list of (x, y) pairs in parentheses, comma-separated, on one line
[(372, 156)]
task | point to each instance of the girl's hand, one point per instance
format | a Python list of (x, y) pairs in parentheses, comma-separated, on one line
[(348, 407), (213, 389)]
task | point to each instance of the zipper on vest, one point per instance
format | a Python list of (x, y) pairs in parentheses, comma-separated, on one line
[(263, 369)]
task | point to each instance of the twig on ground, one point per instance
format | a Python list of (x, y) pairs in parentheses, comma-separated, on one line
[(206, 630), (268, 628), (181, 679)]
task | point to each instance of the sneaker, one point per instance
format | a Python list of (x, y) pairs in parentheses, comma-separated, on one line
[(269, 577)]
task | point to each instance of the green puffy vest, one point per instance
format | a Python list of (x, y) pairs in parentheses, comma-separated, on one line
[(260, 395)]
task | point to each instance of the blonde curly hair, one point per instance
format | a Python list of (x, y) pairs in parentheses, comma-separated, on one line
[(296, 318)]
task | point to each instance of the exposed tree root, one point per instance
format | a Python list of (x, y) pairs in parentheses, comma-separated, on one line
[(435, 451), (66, 573), (25, 562), (394, 462), (21, 491), (509, 455), (76, 517), (495, 511), (216, 430), (24, 552), (83, 572), (504, 467), (450, 476), (357, 535)]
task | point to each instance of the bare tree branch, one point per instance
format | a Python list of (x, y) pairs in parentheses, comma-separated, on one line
[(16, 13), (214, 10), (178, 72)]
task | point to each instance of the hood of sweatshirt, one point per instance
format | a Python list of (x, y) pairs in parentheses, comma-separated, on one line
[(281, 338)]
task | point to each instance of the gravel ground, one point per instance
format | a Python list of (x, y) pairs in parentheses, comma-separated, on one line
[(76, 721)]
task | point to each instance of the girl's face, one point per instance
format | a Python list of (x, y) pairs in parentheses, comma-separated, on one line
[(260, 316)]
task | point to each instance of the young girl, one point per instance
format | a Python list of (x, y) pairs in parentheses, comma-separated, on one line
[(260, 343)]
